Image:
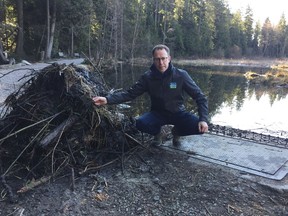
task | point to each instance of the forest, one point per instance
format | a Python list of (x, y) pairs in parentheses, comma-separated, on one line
[(128, 29)]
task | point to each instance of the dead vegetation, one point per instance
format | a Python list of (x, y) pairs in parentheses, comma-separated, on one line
[(51, 127), (277, 77)]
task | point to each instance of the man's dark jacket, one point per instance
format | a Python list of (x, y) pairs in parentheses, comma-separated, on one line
[(166, 91)]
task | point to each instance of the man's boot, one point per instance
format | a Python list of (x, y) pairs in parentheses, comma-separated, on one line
[(176, 138)]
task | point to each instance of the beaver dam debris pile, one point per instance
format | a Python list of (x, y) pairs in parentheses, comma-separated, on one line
[(51, 125)]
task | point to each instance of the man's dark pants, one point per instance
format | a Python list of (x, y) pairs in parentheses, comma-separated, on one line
[(185, 123)]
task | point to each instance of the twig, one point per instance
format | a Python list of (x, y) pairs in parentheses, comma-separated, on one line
[(54, 149), (26, 148), (34, 183), (95, 67), (141, 158), (233, 207), (35, 166), (99, 119), (97, 167), (71, 152), (139, 143), (255, 189), (15, 71), (32, 125), (209, 213), (1, 141), (11, 195), (73, 178), (60, 166), (122, 156), (29, 144), (17, 212), (276, 203)]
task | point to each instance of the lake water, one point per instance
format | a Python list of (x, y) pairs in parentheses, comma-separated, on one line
[(233, 101)]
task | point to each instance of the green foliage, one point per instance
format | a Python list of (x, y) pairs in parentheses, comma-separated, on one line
[(237, 36), (222, 38), (256, 40), (248, 26), (124, 29)]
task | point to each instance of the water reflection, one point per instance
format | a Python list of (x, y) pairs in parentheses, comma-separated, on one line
[(232, 100), (256, 114)]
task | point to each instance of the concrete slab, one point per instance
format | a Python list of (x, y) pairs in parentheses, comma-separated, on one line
[(251, 157)]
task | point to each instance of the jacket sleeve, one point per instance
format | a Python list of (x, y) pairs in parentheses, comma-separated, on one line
[(196, 93), (134, 91)]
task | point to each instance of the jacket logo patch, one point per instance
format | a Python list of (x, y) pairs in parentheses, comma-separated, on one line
[(173, 85)]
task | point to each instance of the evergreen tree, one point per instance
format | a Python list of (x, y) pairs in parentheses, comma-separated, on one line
[(206, 29), (222, 40), (123, 29), (248, 29), (267, 38), (256, 39), (189, 25), (282, 35), (237, 36)]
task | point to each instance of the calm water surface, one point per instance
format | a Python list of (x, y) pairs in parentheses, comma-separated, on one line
[(232, 100)]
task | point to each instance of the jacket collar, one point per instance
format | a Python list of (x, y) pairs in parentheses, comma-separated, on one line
[(158, 74)]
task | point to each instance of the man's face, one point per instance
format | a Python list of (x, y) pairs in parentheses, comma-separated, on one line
[(161, 60)]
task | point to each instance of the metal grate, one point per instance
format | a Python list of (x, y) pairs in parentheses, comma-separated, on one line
[(249, 135)]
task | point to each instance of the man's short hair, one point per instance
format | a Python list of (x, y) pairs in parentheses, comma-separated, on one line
[(160, 47)]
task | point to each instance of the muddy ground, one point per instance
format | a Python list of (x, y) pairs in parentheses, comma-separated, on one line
[(152, 181)]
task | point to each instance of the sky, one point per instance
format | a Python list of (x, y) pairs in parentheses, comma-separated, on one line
[(262, 9)]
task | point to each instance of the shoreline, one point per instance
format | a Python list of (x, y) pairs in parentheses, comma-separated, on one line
[(243, 62)]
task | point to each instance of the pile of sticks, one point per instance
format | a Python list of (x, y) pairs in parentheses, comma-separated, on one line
[(51, 125)]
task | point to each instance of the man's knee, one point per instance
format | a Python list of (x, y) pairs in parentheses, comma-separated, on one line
[(146, 126), (139, 124)]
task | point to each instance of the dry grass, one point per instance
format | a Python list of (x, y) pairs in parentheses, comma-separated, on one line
[(278, 78), (281, 67)]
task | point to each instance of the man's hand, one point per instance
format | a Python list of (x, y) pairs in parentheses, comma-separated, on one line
[(99, 100), (203, 126)]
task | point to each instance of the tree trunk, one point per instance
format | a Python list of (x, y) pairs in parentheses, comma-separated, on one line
[(136, 30), (283, 47), (2, 11), (72, 41), (20, 36), (121, 29), (103, 43), (115, 26), (50, 29), (3, 59)]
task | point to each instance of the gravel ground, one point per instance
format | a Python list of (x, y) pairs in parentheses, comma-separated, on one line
[(153, 182)]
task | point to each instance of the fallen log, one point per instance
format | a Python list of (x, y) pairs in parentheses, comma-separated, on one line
[(58, 131)]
